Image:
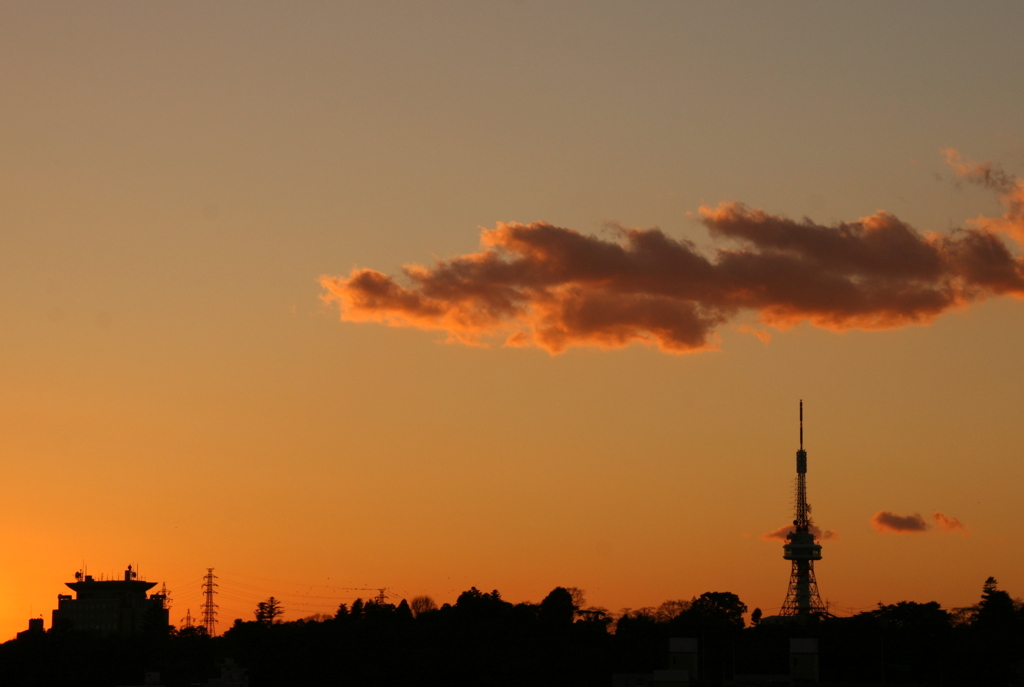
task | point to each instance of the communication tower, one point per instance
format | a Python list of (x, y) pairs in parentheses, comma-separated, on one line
[(209, 608), (802, 599)]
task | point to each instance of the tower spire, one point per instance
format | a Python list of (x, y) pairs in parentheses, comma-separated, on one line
[(802, 599)]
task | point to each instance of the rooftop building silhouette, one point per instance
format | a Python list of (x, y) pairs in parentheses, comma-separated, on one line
[(110, 607)]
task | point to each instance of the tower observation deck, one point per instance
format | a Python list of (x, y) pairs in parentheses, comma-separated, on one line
[(802, 599)]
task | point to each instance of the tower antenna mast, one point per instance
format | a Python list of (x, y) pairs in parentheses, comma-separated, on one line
[(802, 599)]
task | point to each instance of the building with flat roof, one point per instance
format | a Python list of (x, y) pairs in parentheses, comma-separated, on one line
[(111, 607)]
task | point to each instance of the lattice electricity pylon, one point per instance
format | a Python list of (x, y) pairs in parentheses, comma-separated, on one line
[(164, 596), (209, 607)]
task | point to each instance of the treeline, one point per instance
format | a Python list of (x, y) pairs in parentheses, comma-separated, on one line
[(482, 640)]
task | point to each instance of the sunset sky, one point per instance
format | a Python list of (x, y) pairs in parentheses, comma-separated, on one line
[(633, 235)]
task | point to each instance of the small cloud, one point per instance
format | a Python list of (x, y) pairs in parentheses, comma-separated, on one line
[(983, 174), (992, 177), (885, 521), (818, 533), (779, 534), (949, 524), (764, 335)]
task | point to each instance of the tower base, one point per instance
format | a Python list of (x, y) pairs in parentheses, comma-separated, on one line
[(802, 599)]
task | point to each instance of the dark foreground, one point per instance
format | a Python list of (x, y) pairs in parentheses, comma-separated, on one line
[(482, 640)]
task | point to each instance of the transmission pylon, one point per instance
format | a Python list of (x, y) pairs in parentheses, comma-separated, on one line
[(209, 607), (164, 596), (802, 599)]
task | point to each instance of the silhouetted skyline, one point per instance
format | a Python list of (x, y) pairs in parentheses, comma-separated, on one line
[(811, 201), (483, 639)]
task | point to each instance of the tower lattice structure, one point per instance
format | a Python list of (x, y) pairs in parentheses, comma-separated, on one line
[(209, 607), (802, 599)]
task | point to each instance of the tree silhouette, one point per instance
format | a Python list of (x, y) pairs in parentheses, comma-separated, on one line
[(670, 610), (717, 611), (579, 598), (557, 609), (268, 611), (356, 612), (422, 604), (995, 611)]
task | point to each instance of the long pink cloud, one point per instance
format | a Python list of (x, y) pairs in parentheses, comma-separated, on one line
[(552, 287), (887, 521)]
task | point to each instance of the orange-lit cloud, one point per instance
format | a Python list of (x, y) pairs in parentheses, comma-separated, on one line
[(1009, 188), (551, 287), (762, 334), (818, 533), (949, 524), (884, 521)]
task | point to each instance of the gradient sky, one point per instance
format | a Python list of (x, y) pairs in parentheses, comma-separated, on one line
[(174, 393)]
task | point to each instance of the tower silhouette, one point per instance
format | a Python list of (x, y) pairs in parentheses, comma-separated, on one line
[(209, 608), (802, 599)]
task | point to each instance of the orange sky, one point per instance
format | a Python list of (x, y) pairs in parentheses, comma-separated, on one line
[(177, 395)]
